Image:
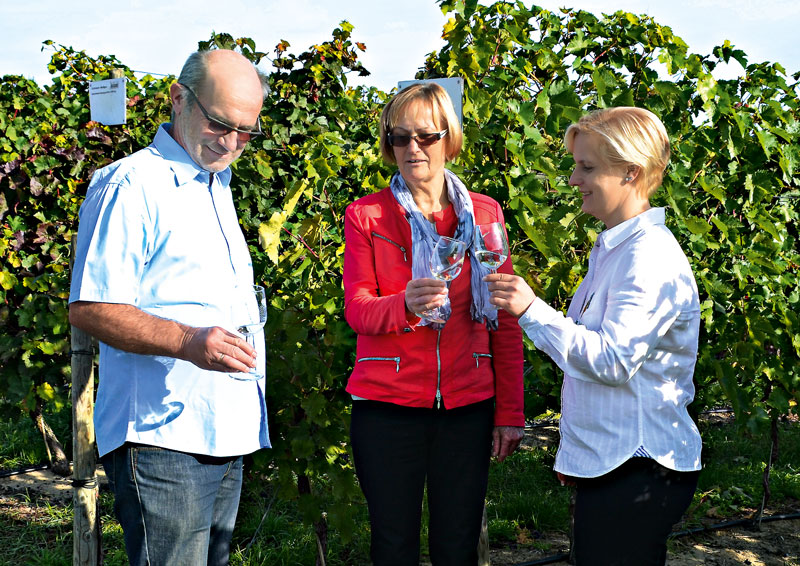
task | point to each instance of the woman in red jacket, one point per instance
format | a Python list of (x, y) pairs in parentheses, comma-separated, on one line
[(432, 401)]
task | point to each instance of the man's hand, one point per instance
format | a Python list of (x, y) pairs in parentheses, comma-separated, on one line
[(217, 349), (505, 440), (130, 329), (425, 294), (510, 293)]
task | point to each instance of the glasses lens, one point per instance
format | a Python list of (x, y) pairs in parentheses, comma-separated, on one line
[(399, 140), (402, 140), (428, 139), (218, 127)]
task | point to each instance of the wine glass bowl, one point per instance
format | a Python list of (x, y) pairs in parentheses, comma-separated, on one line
[(491, 245), (447, 260), (252, 320)]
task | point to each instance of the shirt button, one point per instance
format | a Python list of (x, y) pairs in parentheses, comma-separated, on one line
[(406, 329)]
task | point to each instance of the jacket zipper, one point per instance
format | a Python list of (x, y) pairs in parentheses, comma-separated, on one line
[(396, 360), (438, 371), (477, 356), (385, 239)]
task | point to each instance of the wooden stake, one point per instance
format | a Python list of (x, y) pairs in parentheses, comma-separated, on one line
[(86, 522)]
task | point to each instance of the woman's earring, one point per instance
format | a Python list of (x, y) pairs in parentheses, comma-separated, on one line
[(628, 179)]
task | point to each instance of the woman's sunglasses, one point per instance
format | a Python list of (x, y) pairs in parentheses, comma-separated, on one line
[(423, 140)]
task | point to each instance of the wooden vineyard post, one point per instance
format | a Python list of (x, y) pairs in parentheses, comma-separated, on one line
[(86, 522)]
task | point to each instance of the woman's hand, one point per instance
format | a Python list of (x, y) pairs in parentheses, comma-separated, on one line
[(425, 294), (510, 293), (566, 480), (505, 440)]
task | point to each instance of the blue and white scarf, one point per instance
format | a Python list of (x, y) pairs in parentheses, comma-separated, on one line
[(424, 237)]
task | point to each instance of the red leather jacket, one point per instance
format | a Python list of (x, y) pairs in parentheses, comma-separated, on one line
[(402, 363)]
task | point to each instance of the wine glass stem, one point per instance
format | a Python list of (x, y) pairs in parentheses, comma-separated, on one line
[(251, 341)]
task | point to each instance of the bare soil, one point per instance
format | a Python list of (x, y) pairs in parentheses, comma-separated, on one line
[(776, 543)]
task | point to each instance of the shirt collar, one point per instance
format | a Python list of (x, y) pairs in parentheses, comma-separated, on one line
[(614, 236), (181, 163)]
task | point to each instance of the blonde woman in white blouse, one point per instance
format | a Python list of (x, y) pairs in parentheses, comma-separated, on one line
[(627, 346)]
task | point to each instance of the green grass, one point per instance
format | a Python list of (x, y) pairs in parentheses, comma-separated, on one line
[(525, 498), (731, 481), (34, 532), (524, 501), (283, 538), (21, 444)]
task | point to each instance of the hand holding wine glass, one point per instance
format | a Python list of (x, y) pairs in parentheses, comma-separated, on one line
[(254, 318), (447, 260), (510, 292)]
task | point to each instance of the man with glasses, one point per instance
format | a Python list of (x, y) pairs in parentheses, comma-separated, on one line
[(161, 272)]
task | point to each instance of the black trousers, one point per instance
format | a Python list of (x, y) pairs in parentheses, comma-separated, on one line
[(396, 451), (624, 517)]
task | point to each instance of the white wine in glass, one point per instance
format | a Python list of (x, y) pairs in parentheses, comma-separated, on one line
[(255, 317), (491, 245)]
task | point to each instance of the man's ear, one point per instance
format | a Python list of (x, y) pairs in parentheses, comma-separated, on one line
[(178, 95)]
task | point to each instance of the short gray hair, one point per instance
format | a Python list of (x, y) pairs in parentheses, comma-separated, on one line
[(194, 73)]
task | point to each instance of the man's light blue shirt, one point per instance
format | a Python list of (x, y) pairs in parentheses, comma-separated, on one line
[(160, 233)]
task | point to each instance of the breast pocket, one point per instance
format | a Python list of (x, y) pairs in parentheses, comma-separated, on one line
[(481, 358), (392, 264)]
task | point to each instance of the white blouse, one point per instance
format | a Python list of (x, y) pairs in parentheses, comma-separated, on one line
[(628, 348)]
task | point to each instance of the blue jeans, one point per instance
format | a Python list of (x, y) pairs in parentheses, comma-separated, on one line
[(174, 508)]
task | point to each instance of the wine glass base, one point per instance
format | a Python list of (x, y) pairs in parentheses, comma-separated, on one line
[(431, 316), (242, 376)]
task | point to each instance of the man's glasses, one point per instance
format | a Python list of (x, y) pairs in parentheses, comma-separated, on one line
[(423, 140), (220, 127)]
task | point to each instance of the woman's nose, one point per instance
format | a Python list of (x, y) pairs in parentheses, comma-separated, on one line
[(573, 179)]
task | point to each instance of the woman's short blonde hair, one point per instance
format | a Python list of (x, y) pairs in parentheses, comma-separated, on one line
[(443, 114), (630, 136)]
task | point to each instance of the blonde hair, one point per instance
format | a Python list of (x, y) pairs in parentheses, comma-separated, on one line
[(443, 114), (630, 136)]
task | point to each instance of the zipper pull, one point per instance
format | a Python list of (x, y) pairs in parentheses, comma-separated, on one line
[(438, 399)]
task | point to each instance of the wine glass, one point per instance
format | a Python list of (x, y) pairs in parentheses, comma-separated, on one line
[(447, 260), (254, 317), (491, 245)]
